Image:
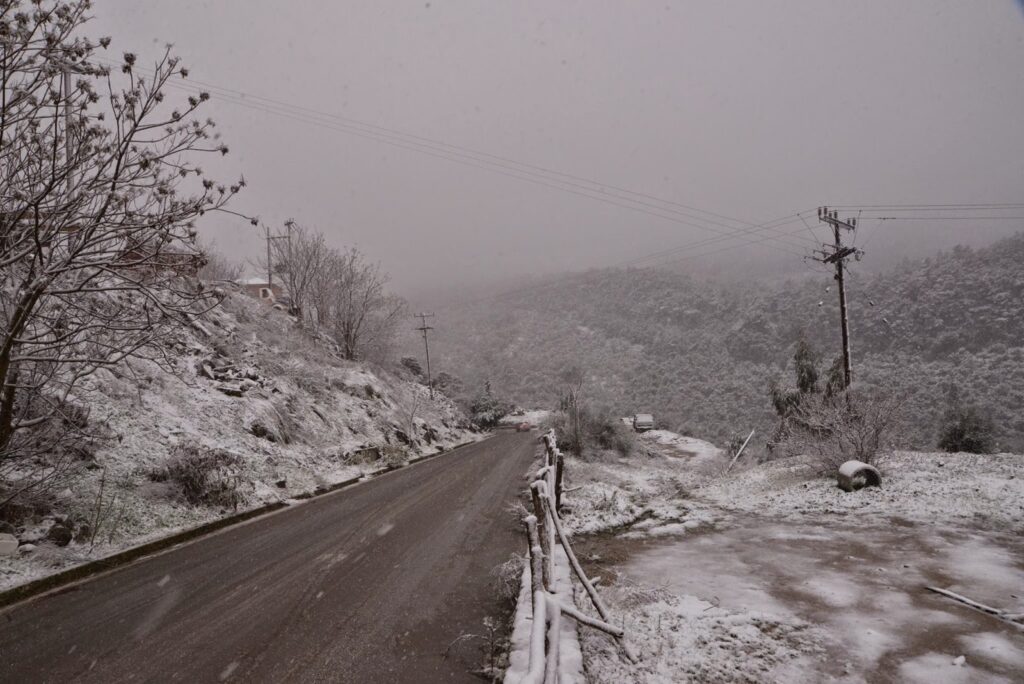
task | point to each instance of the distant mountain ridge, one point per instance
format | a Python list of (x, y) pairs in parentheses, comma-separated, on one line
[(700, 355)]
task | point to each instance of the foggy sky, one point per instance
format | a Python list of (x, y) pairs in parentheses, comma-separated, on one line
[(751, 109)]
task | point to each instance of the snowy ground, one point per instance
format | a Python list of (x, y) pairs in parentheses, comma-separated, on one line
[(301, 427), (771, 574)]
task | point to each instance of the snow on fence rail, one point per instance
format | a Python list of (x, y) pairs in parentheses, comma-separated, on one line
[(543, 528)]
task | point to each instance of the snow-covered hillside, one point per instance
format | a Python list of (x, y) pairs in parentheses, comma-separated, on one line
[(280, 412)]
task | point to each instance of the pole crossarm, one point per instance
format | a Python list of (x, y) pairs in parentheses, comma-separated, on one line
[(836, 254)]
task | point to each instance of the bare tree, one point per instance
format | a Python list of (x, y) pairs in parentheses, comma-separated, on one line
[(833, 429), (364, 314), (572, 379), (302, 259), (217, 267), (98, 197)]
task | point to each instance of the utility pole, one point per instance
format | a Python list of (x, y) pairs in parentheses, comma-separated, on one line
[(424, 328), (270, 268), (269, 238), (838, 254)]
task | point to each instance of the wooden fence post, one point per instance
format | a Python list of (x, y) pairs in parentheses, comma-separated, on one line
[(559, 471), (554, 633), (536, 670), (544, 524)]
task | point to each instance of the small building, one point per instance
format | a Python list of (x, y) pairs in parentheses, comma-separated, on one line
[(259, 288)]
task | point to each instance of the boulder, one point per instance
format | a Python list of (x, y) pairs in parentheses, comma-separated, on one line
[(60, 534), (854, 475), (8, 544), (84, 533)]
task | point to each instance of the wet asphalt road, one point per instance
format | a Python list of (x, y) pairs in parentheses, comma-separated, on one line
[(369, 584)]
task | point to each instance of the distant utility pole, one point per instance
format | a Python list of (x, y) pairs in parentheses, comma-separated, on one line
[(269, 238), (424, 328), (838, 254)]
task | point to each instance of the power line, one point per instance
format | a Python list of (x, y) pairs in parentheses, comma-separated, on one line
[(511, 168), (590, 193), (238, 94), (554, 282), (949, 218), (926, 207), (776, 224)]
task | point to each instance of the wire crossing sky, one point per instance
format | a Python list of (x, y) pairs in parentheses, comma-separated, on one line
[(462, 143)]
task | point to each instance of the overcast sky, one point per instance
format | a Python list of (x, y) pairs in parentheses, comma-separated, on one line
[(752, 109)]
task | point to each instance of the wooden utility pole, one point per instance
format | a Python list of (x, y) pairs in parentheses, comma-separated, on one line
[(424, 328), (837, 254), (269, 239)]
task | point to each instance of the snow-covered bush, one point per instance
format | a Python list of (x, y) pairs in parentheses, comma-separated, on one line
[(395, 456), (843, 427), (965, 427), (507, 577), (600, 431), (486, 410), (204, 476)]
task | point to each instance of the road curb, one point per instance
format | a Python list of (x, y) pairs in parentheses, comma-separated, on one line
[(43, 585)]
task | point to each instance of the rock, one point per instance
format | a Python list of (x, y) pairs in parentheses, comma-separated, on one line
[(6, 528), (230, 390), (281, 484), (26, 548), (60, 535), (8, 544), (959, 661), (84, 533), (261, 431)]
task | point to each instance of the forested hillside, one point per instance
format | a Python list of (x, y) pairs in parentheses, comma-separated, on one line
[(700, 356)]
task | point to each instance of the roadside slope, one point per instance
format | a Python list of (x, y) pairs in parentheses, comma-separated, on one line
[(277, 413)]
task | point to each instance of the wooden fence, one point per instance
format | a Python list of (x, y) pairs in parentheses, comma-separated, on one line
[(544, 531)]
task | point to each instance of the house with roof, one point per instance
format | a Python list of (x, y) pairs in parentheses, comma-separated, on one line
[(258, 288)]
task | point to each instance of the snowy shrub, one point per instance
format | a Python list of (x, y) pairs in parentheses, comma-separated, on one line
[(843, 427), (486, 410), (413, 365), (600, 431), (394, 456), (609, 432), (967, 428), (275, 421), (507, 577), (204, 476)]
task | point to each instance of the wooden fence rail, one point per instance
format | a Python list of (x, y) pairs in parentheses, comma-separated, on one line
[(543, 528)]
